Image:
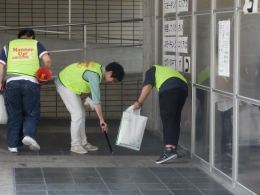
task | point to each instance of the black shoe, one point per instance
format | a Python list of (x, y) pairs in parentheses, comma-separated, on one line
[(168, 154)]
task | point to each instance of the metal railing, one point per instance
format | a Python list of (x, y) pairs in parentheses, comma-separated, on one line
[(82, 33), (96, 14)]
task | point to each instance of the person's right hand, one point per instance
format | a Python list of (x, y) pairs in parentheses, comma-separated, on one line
[(87, 107), (88, 103), (103, 126)]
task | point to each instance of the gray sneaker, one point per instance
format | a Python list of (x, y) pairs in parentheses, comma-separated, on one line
[(89, 147), (33, 145), (78, 149), (168, 154)]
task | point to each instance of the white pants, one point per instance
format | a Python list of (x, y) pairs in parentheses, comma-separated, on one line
[(75, 106)]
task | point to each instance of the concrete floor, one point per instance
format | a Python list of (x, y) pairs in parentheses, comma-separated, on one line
[(54, 170)]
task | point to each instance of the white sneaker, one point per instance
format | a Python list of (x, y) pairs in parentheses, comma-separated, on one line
[(13, 150), (90, 147), (33, 145), (78, 149)]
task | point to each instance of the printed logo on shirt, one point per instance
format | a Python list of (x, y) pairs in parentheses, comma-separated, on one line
[(21, 53), (85, 64)]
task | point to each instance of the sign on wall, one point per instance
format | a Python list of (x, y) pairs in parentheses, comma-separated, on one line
[(183, 6), (174, 40), (172, 27), (179, 64), (224, 48), (170, 6), (170, 44), (170, 60)]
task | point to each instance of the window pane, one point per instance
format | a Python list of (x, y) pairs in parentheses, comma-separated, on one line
[(224, 3), (184, 5), (249, 56), (249, 146), (223, 133), (203, 50), (224, 78), (202, 124), (203, 5)]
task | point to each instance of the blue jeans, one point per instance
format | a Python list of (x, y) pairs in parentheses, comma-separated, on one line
[(22, 100)]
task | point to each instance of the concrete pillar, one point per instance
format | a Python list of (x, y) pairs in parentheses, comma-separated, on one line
[(152, 55)]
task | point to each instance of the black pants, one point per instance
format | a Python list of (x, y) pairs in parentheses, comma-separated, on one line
[(171, 104)]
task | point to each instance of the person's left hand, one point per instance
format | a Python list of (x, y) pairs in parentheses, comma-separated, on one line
[(1, 87), (136, 105)]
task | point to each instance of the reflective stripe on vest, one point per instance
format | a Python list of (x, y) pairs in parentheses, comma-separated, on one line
[(22, 57), (162, 73), (72, 76)]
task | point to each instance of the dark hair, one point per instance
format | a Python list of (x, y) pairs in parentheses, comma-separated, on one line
[(26, 32), (117, 70)]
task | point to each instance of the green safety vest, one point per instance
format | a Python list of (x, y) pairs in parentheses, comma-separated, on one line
[(22, 57), (72, 76), (162, 73)]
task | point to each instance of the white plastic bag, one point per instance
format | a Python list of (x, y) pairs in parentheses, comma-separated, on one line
[(131, 129), (3, 113)]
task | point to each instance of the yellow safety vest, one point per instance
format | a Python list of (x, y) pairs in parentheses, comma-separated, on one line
[(203, 76), (22, 57), (162, 73), (72, 76)]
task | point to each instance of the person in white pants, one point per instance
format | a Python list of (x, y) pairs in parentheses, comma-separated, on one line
[(84, 78)]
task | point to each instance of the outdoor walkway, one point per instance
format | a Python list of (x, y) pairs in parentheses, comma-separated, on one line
[(56, 171)]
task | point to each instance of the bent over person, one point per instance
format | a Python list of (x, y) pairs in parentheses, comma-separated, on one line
[(85, 78), (173, 91), (20, 60)]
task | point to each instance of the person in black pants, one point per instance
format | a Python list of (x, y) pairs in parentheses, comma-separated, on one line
[(173, 91)]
